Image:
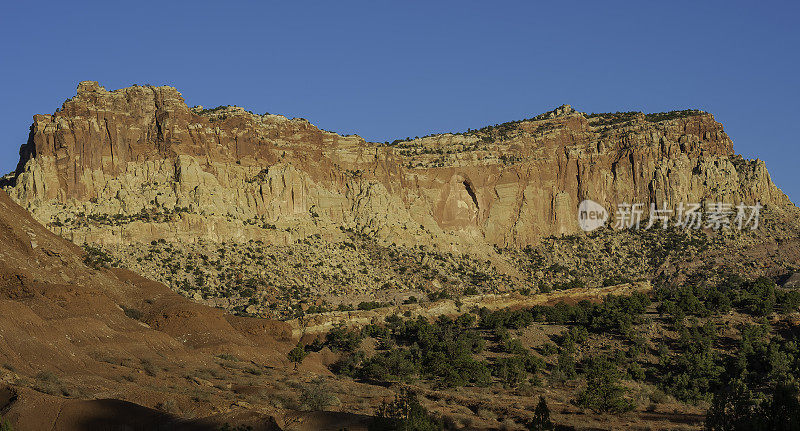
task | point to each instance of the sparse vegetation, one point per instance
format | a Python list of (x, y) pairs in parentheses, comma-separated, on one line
[(97, 258), (133, 313), (603, 392), (541, 417), (756, 376), (296, 355), (404, 413), (316, 396), (5, 425), (301, 278)]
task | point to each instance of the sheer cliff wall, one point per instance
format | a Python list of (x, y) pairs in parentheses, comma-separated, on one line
[(137, 164)]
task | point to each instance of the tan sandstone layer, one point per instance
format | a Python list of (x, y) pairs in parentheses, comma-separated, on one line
[(136, 165)]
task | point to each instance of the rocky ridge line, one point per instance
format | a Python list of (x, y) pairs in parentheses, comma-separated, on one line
[(137, 164)]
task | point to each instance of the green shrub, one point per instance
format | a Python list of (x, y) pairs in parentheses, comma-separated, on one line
[(736, 407), (370, 305), (404, 413), (133, 313), (316, 395), (342, 339), (96, 258), (394, 365), (5, 425), (603, 393), (511, 370), (297, 354), (541, 417)]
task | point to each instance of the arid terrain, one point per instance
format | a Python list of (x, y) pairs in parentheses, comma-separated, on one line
[(174, 267)]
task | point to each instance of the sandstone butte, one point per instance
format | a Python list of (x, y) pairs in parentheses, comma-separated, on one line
[(137, 164)]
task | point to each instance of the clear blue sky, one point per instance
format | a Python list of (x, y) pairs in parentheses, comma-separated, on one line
[(393, 69)]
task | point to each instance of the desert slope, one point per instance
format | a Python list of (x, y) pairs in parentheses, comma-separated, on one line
[(68, 330), (86, 348)]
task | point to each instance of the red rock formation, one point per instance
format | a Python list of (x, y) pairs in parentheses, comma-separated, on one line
[(138, 148)]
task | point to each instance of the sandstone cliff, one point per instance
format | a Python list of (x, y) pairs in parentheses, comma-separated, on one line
[(137, 164)]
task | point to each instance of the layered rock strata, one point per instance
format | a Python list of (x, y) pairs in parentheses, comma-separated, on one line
[(137, 165)]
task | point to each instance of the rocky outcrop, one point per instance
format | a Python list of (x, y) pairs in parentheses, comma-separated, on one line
[(137, 164)]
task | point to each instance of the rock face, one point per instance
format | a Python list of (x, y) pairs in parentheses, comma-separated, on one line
[(137, 164)]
